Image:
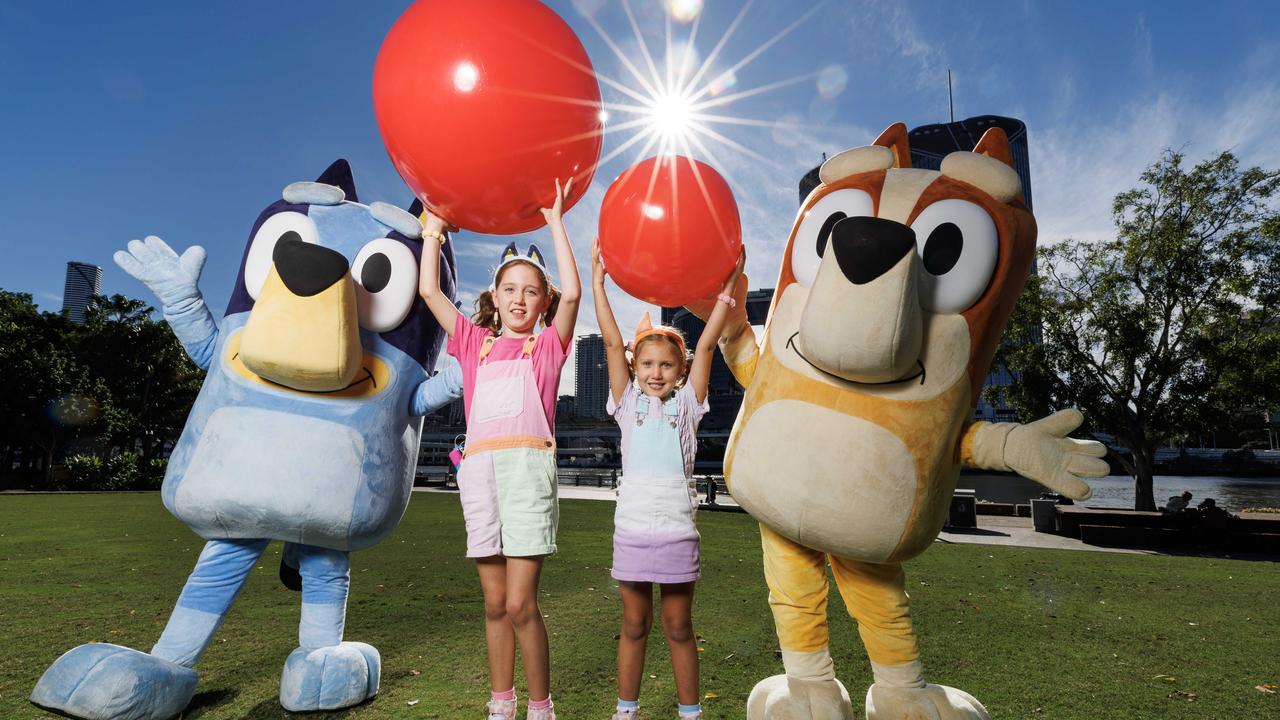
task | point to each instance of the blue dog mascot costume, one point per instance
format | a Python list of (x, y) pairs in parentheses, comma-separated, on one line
[(306, 430)]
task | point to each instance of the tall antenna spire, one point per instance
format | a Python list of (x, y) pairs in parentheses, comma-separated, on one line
[(950, 106)]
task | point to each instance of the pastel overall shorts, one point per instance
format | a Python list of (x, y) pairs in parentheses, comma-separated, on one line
[(508, 476), (654, 535)]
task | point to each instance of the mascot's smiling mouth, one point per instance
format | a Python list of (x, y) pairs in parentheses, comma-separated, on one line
[(792, 345), (373, 378)]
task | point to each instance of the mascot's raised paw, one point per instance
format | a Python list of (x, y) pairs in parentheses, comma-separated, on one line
[(931, 702), (100, 681), (782, 697), (330, 678)]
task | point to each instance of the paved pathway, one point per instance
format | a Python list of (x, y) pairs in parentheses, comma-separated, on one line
[(991, 530)]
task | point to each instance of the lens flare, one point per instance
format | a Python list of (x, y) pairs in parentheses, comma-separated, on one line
[(684, 10), (682, 60), (73, 410), (831, 81), (722, 83), (787, 131)]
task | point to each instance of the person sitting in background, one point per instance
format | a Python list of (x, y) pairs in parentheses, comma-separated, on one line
[(1178, 503), (1210, 511)]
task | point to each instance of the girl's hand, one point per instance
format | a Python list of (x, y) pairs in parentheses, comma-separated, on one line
[(731, 282), (553, 213), (433, 223), (597, 265)]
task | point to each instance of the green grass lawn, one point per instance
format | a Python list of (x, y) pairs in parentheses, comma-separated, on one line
[(1031, 633)]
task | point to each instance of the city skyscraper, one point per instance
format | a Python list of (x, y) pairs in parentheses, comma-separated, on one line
[(83, 282), (591, 387), (929, 145)]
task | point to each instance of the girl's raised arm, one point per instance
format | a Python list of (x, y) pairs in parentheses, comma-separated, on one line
[(700, 371), (614, 348), (433, 236), (566, 267)]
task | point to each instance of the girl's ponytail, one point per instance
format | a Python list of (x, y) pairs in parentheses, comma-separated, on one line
[(554, 294), (487, 313)]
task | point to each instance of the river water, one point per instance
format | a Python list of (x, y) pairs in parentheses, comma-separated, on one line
[(1232, 494)]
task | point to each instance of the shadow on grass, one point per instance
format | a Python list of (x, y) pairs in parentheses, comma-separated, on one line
[(209, 700), (271, 709)]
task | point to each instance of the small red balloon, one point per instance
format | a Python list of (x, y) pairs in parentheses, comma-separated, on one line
[(669, 230), (482, 105)]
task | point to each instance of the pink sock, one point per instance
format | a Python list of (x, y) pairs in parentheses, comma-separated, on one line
[(540, 704), (508, 695)]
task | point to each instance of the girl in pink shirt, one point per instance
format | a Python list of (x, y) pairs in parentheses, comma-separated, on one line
[(507, 480)]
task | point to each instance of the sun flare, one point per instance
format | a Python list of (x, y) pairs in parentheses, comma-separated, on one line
[(671, 117)]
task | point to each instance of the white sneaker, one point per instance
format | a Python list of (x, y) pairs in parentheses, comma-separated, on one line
[(547, 713), (633, 714), (502, 710)]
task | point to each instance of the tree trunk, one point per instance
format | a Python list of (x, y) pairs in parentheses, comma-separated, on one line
[(1144, 478)]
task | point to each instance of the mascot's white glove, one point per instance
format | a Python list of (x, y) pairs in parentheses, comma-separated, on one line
[(1040, 451), (174, 280)]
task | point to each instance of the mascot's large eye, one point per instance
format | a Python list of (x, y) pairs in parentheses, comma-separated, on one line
[(386, 275), (281, 226), (957, 242), (814, 233)]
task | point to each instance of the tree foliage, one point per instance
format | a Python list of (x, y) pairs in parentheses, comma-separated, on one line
[(1168, 328), (117, 388)]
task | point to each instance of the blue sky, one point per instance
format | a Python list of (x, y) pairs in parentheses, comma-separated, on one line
[(184, 120)]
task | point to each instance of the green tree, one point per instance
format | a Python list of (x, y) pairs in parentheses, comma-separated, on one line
[(1167, 328), (118, 388), (151, 383), (46, 395)]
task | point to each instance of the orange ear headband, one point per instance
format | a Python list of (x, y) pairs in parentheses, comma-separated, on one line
[(646, 327)]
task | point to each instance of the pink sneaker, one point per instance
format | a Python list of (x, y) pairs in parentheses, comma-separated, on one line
[(502, 710), (547, 713)]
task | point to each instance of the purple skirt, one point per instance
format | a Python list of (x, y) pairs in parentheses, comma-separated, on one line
[(654, 537)]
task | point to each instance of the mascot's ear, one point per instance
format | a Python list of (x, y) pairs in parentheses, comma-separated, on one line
[(536, 255), (645, 323), (415, 208), (895, 138), (995, 145), (339, 174)]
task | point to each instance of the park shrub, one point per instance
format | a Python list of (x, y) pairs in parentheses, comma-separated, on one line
[(123, 471), (84, 472)]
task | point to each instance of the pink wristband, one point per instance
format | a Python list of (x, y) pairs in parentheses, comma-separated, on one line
[(727, 300)]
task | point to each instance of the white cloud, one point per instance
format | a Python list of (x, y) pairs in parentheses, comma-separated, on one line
[(1078, 168), (1144, 55)]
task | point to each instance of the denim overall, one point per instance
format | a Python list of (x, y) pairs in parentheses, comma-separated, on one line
[(655, 538)]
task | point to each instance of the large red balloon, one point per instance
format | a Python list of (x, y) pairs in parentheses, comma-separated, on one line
[(669, 230), (482, 104)]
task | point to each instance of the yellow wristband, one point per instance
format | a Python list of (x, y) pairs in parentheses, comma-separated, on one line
[(434, 235)]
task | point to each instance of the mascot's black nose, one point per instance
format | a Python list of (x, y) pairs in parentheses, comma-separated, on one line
[(866, 247), (306, 268)]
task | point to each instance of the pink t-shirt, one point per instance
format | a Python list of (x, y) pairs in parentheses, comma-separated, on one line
[(548, 358)]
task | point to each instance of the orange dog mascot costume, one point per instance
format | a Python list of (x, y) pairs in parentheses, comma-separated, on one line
[(895, 288)]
